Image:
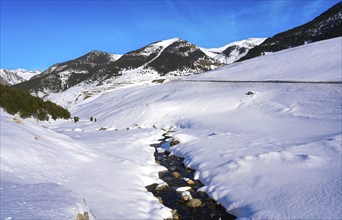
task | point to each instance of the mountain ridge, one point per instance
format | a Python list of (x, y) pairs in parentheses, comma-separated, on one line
[(15, 76), (166, 58)]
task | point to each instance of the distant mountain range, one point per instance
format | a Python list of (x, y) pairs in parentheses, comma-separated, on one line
[(168, 58), (175, 57), (12, 77)]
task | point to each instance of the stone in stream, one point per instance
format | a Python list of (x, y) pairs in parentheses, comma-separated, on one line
[(160, 199), (190, 182), (175, 214), (174, 142), (176, 175), (161, 187), (186, 195), (194, 203)]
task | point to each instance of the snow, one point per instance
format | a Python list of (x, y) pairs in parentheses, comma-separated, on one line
[(12, 77), (156, 47), (16, 76), (114, 57), (246, 42), (46, 175), (27, 74), (217, 53), (303, 63), (275, 154)]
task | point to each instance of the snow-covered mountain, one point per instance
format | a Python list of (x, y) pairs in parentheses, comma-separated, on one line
[(168, 58), (233, 51), (15, 76), (64, 75), (173, 57), (325, 26)]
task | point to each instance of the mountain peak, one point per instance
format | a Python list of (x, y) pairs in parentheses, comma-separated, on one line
[(15, 76)]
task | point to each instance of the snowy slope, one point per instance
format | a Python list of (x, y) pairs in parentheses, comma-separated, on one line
[(12, 77), (46, 175), (275, 154), (320, 61)]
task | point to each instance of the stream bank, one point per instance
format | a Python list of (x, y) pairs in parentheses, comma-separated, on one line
[(181, 192)]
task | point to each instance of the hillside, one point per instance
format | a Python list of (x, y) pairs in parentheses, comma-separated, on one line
[(67, 74), (15, 101), (303, 63)]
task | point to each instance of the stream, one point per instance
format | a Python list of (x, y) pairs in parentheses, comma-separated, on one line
[(197, 205)]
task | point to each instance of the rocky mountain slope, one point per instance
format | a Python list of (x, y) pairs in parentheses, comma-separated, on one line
[(325, 26), (67, 74), (168, 58), (12, 77)]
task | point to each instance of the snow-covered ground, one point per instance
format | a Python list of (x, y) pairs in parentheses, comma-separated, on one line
[(46, 175), (319, 61), (274, 154)]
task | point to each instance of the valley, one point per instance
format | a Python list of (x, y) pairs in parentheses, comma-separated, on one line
[(171, 130)]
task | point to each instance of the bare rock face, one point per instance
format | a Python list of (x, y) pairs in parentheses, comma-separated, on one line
[(194, 203)]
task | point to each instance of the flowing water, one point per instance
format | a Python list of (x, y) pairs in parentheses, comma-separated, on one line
[(174, 177)]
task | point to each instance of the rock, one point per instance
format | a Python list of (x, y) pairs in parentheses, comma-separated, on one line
[(190, 182), (176, 174), (160, 199), (194, 203), (83, 216), (79, 217), (249, 93), (174, 142), (186, 195), (175, 214), (161, 187)]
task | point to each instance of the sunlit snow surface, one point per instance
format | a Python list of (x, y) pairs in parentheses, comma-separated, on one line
[(275, 154)]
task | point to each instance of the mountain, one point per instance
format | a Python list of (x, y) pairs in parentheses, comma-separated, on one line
[(325, 26), (234, 51), (12, 77), (173, 57), (64, 75), (167, 58)]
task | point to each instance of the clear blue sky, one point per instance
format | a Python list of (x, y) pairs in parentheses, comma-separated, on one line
[(36, 34)]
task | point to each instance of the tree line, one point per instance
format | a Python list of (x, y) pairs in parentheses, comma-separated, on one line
[(16, 101)]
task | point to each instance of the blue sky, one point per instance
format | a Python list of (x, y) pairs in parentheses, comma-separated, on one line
[(37, 34)]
